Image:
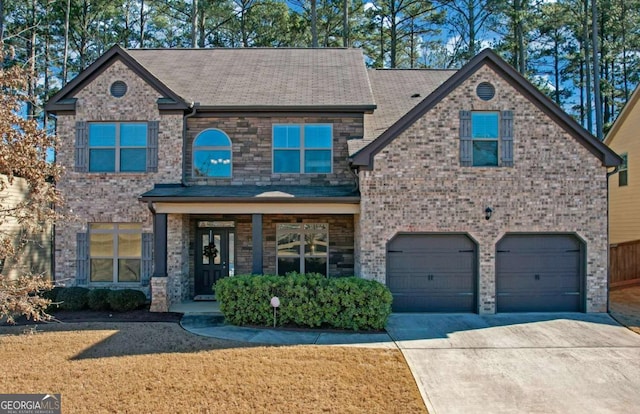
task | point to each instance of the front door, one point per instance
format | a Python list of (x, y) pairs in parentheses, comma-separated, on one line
[(214, 258)]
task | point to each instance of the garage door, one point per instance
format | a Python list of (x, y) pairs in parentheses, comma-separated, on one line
[(539, 273), (432, 273)]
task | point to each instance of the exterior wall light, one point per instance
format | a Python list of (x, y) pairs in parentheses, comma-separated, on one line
[(487, 213)]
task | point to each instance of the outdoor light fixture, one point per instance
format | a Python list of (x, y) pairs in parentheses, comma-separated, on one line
[(487, 213)]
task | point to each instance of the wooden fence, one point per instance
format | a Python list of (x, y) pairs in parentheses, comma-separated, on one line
[(624, 260)]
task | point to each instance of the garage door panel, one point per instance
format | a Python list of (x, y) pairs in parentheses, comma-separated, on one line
[(538, 272), (432, 273)]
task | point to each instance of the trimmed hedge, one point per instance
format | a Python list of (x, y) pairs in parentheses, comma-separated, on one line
[(126, 299), (72, 298), (98, 299), (310, 300)]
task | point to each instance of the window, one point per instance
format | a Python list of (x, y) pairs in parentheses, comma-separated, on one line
[(302, 148), (118, 147), (302, 248), (212, 154), (485, 135), (623, 178), (486, 139), (115, 252)]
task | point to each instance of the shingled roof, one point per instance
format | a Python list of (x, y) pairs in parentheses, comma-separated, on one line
[(396, 92), (260, 77)]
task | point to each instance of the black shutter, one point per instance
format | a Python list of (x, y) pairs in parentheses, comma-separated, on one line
[(82, 147), (82, 258), (147, 258), (152, 146), (506, 138), (466, 145)]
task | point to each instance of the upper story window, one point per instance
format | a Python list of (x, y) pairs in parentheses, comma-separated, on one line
[(485, 134), (118, 147), (623, 171), (212, 154), (486, 138), (302, 148)]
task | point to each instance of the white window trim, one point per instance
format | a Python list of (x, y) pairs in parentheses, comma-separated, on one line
[(211, 148), (301, 232), (497, 139), (117, 147), (114, 233), (302, 149)]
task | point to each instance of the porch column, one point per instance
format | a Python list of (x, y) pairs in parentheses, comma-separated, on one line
[(256, 226), (160, 245)]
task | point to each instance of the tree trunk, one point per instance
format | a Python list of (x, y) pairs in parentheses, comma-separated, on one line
[(624, 52), (1, 23), (65, 58), (194, 20), (345, 23), (31, 48), (596, 69), (556, 66), (314, 24), (585, 35), (393, 38), (141, 24)]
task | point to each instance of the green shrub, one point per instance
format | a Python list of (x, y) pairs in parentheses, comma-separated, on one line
[(305, 300), (72, 298), (52, 295), (126, 299), (98, 299)]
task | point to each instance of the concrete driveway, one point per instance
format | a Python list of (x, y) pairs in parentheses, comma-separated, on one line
[(521, 363)]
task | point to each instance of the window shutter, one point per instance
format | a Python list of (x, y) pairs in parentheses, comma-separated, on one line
[(506, 138), (147, 258), (466, 145), (82, 258), (82, 147), (152, 146)]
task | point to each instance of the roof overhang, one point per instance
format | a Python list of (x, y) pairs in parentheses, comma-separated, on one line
[(205, 110)]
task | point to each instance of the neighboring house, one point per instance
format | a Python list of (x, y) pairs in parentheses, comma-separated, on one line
[(624, 196), (34, 257), (461, 190)]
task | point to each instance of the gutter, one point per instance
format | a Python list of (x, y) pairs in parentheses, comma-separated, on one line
[(251, 200), (194, 107)]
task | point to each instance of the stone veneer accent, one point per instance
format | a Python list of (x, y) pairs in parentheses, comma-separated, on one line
[(251, 138), (418, 185), (111, 197)]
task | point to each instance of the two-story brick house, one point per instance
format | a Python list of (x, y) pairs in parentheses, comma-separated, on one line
[(461, 190)]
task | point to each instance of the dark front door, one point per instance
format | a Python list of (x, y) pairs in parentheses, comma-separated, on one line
[(214, 258)]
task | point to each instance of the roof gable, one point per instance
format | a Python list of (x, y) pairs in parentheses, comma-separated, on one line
[(365, 157), (627, 111), (64, 100)]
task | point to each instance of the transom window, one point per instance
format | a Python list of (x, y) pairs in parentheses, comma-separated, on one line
[(485, 134), (623, 171), (118, 147), (302, 248), (212, 154), (302, 148), (115, 251)]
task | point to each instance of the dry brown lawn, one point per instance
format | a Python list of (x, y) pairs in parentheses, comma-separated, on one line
[(159, 368)]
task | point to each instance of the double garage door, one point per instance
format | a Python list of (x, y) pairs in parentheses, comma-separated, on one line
[(438, 273)]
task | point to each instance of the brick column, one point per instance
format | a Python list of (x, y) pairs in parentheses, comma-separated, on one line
[(159, 295)]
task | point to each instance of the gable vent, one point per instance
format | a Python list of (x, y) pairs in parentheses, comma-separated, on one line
[(485, 91), (118, 89)]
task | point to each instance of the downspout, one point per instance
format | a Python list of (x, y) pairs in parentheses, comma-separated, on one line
[(609, 174), (194, 107)]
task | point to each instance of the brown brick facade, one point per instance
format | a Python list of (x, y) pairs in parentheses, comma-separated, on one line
[(418, 185), (251, 147)]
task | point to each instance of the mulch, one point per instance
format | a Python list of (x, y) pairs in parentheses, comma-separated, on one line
[(140, 315)]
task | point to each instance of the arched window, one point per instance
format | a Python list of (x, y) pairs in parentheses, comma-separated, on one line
[(212, 154)]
